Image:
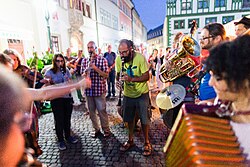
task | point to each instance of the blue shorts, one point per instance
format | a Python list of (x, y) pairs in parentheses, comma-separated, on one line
[(139, 105)]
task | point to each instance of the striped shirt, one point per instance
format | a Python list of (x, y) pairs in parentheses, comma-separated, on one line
[(98, 83)]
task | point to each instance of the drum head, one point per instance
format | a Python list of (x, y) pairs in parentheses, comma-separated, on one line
[(170, 97)]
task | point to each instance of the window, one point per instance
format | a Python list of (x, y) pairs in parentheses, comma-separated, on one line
[(115, 22), (114, 1), (210, 20), (86, 10), (220, 3), (246, 4), (106, 18), (202, 4), (186, 5), (226, 19), (179, 24), (83, 9), (190, 22), (88, 14), (55, 43)]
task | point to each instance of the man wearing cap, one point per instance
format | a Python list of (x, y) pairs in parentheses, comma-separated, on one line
[(242, 26)]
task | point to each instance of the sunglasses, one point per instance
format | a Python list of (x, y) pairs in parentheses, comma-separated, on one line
[(59, 61), (204, 38)]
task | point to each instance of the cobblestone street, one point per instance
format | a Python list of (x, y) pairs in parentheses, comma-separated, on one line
[(101, 151)]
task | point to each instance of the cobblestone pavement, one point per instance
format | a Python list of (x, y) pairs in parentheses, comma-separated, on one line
[(95, 152)]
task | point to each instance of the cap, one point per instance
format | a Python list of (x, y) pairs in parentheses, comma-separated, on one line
[(244, 20)]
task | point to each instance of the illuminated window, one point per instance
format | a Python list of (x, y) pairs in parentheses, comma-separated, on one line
[(226, 19), (190, 22), (186, 5), (179, 24), (55, 43), (210, 20), (202, 4), (220, 3)]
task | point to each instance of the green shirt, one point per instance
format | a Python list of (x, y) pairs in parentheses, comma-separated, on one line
[(134, 68)]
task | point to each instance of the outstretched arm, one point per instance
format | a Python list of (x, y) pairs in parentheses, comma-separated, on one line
[(54, 91)]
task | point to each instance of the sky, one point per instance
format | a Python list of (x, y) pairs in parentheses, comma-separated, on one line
[(152, 12)]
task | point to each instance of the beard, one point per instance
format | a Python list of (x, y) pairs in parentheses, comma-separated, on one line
[(208, 46), (128, 58)]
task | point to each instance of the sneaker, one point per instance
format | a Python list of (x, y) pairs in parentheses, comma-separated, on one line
[(113, 95), (72, 140), (77, 104), (107, 134), (62, 146), (108, 96), (96, 134)]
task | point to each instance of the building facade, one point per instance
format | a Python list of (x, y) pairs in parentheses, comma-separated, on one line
[(181, 13), (59, 24), (155, 39)]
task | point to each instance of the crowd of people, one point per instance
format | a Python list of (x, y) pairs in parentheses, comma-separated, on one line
[(225, 76)]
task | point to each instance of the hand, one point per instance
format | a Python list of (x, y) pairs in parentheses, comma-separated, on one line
[(48, 81), (85, 82), (92, 66), (72, 71), (109, 69), (45, 80), (126, 78)]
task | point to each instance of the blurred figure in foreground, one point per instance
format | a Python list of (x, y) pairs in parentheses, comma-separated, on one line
[(12, 118), (228, 65)]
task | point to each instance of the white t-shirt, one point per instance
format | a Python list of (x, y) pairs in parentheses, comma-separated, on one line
[(242, 131)]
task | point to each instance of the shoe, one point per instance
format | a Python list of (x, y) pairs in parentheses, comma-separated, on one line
[(127, 145), (77, 104), (62, 146), (96, 134), (113, 95), (86, 113), (147, 149), (137, 128), (108, 96), (153, 107), (72, 140), (107, 134)]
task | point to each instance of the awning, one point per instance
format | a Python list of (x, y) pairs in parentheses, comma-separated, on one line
[(9, 32)]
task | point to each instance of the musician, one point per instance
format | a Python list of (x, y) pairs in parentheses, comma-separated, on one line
[(61, 107), (242, 26), (28, 76), (96, 67), (152, 60), (211, 35), (228, 65), (70, 60), (170, 116), (136, 92), (12, 120), (24, 71), (78, 63), (168, 51), (48, 92)]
